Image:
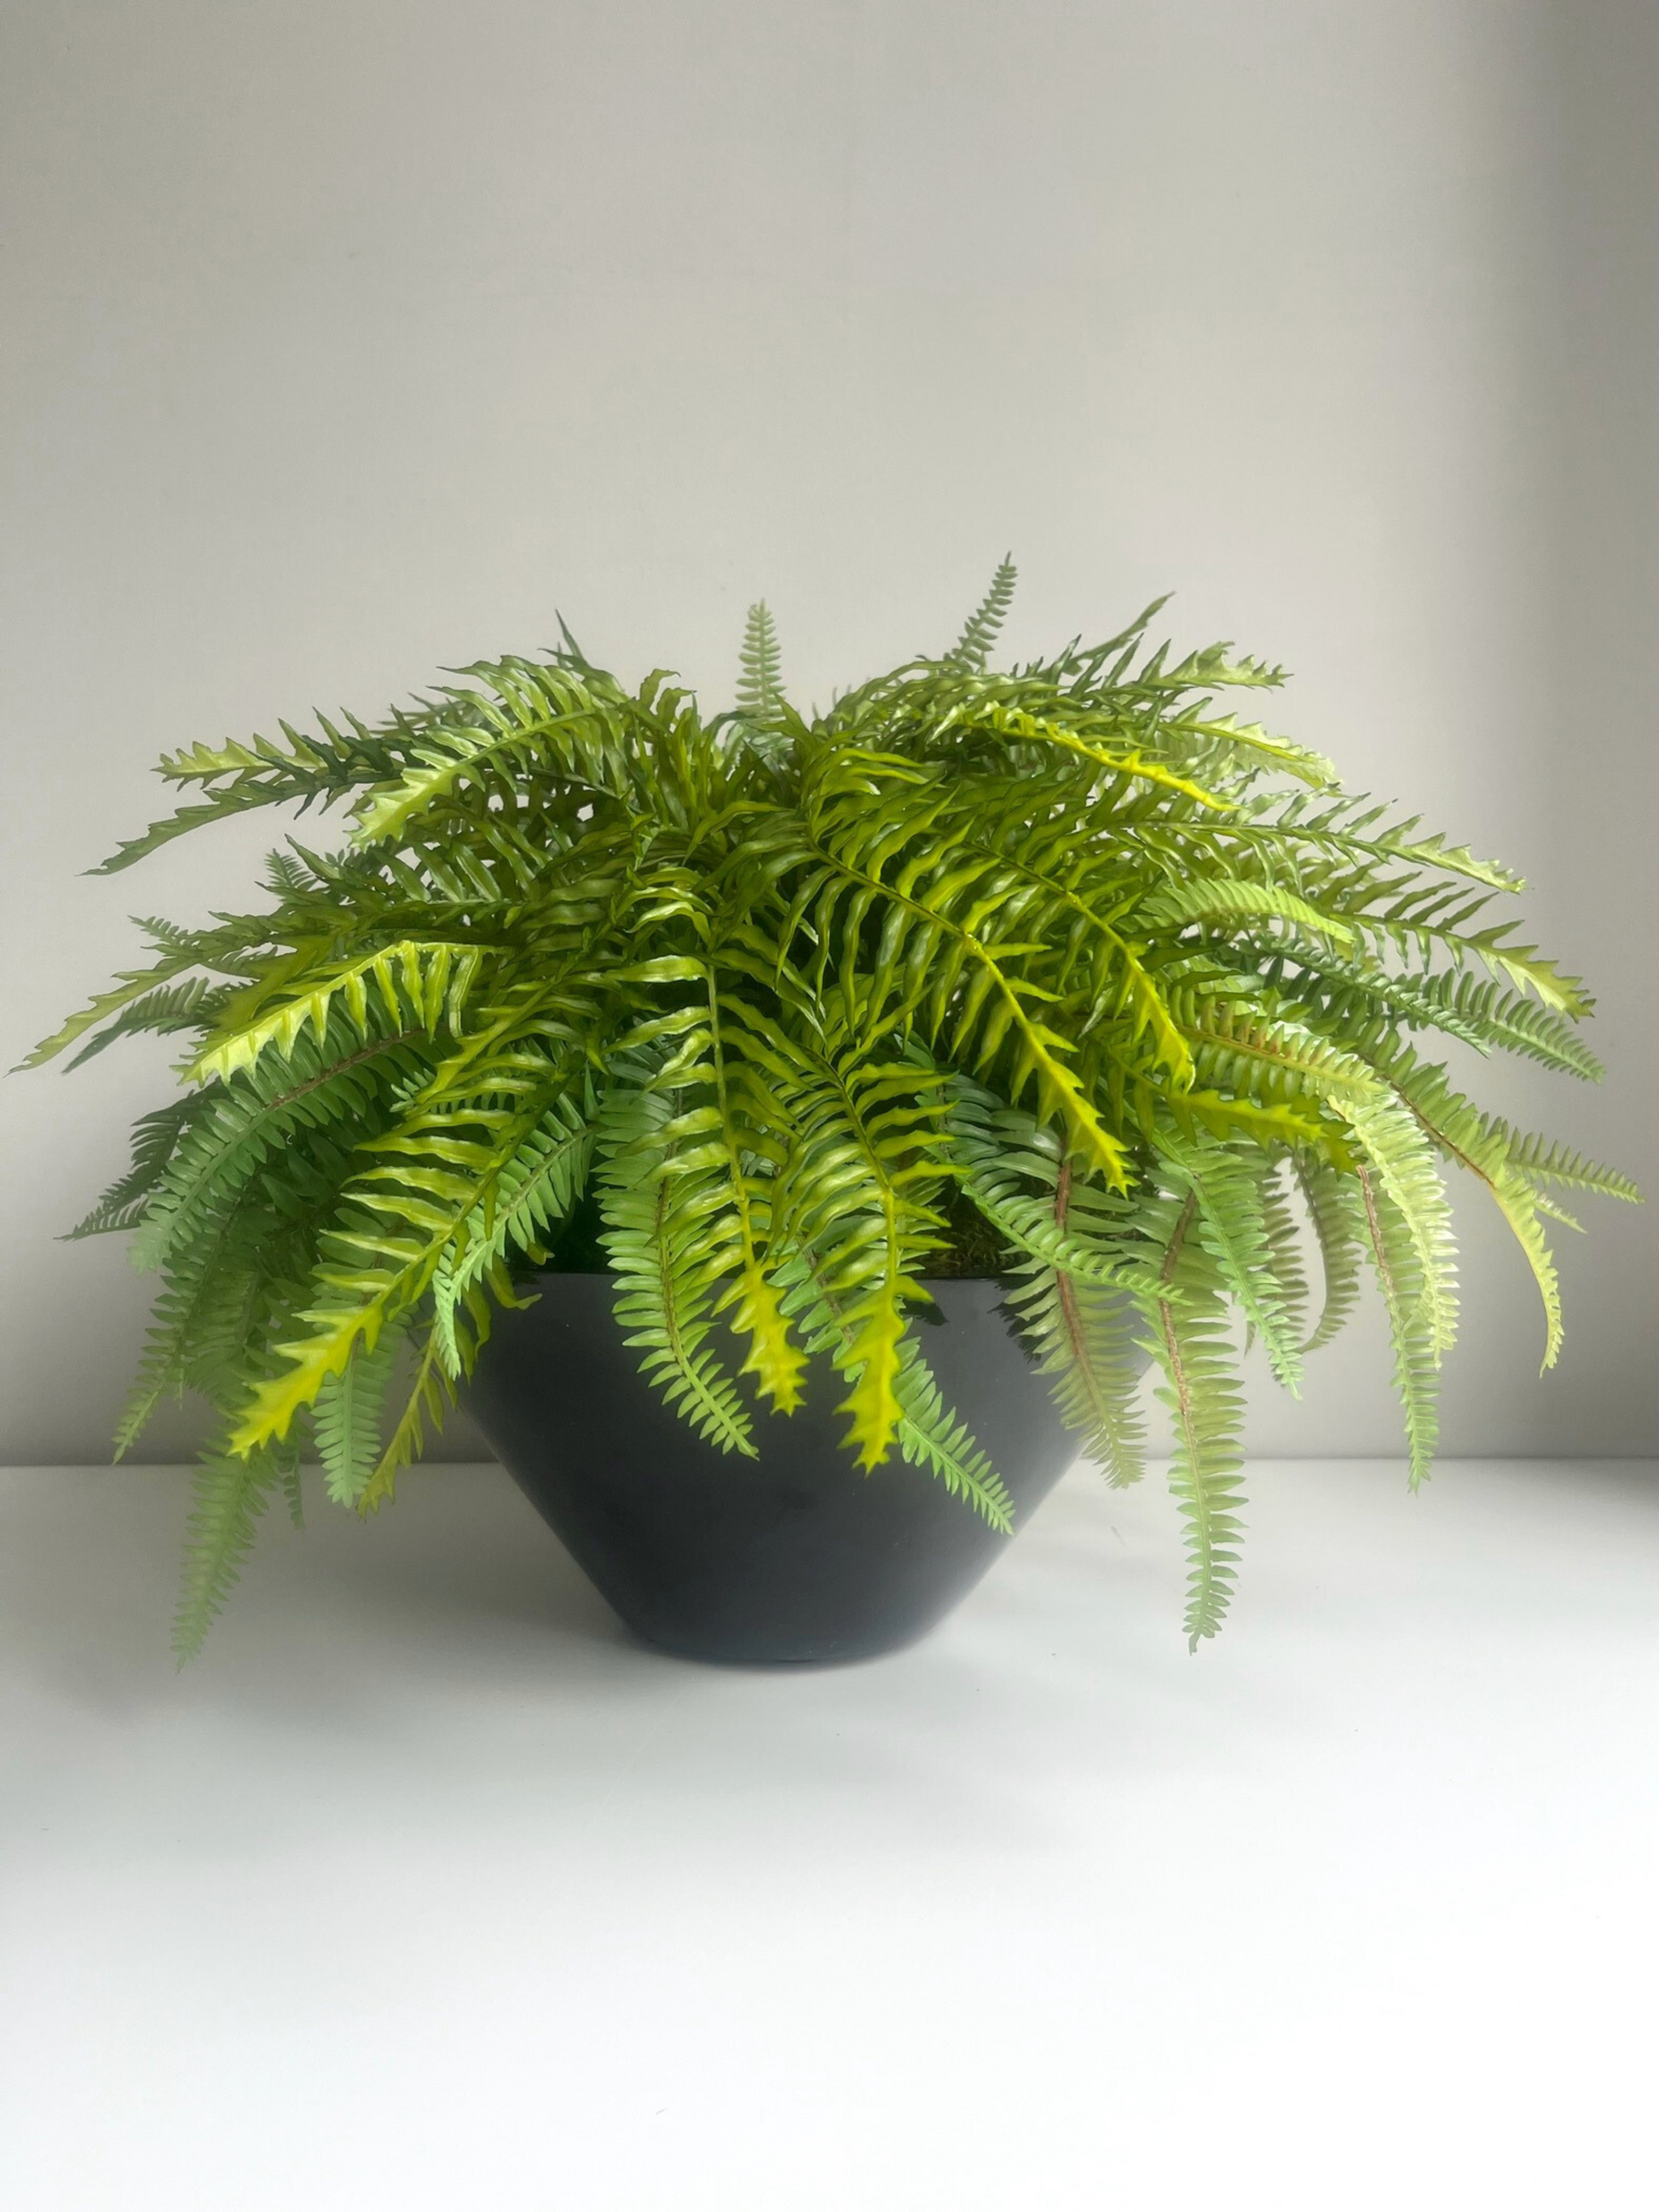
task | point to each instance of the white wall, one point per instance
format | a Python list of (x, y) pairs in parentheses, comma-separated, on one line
[(347, 339)]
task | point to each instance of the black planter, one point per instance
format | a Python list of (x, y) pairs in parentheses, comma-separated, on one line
[(792, 1558)]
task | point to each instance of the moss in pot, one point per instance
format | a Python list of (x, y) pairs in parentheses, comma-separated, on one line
[(762, 1114)]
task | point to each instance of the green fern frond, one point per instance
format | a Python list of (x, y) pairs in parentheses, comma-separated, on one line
[(1231, 899), (1332, 1203), (1283, 1242), (346, 1421), (518, 717), (760, 685), (189, 1005), (394, 1224), (869, 1142), (980, 632), (1232, 1223), (1478, 1011), (230, 1496), (1016, 1170), (1482, 1147), (428, 1399), (927, 1433), (1404, 1170), (1542, 1160), (1085, 1337), (534, 1194), (658, 1208), (1397, 1260), (417, 987), (930, 1436), (1190, 1339), (155, 1138), (237, 1129), (136, 984), (214, 1279)]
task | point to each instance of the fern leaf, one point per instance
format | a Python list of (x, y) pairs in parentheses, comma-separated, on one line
[(927, 1433), (1200, 1389), (1084, 1337), (1404, 1166), (346, 1420), (135, 984), (666, 1276), (1232, 899), (1232, 1223), (1282, 1239), (417, 984), (294, 1494), (930, 1436), (1397, 1260), (424, 1408), (973, 648), (184, 1005), (1330, 1200), (230, 1496), (1544, 1161), (154, 1139), (759, 686), (534, 1194)]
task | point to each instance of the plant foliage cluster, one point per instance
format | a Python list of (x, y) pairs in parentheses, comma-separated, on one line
[(1126, 977)]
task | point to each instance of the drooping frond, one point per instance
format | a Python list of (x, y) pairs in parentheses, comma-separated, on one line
[(429, 1396), (347, 1420), (1282, 1246), (235, 1128), (1071, 1246), (1397, 1260), (656, 1205), (231, 1495), (1399, 1165), (1182, 1295), (868, 1146), (534, 1194), (1087, 1342), (1331, 1204), (415, 1185), (928, 1433), (930, 1436), (1232, 1222)]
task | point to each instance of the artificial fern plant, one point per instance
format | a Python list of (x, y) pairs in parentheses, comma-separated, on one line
[(1061, 965)]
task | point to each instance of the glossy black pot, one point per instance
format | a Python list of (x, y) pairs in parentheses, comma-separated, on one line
[(794, 1557)]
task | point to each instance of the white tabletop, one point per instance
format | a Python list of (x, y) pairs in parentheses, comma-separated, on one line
[(424, 1887)]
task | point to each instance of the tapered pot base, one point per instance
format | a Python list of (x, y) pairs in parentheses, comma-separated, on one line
[(794, 1557)]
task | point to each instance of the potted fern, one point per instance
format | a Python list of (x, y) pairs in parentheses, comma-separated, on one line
[(805, 1103)]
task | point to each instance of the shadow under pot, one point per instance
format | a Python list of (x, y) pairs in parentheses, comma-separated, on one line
[(794, 1557)]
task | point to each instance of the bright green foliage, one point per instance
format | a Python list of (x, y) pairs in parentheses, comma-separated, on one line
[(782, 999), (346, 1421), (656, 1200)]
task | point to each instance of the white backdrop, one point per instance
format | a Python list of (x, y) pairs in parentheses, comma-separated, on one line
[(347, 338)]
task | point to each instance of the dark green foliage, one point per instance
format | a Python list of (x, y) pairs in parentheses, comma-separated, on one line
[(1057, 972)]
